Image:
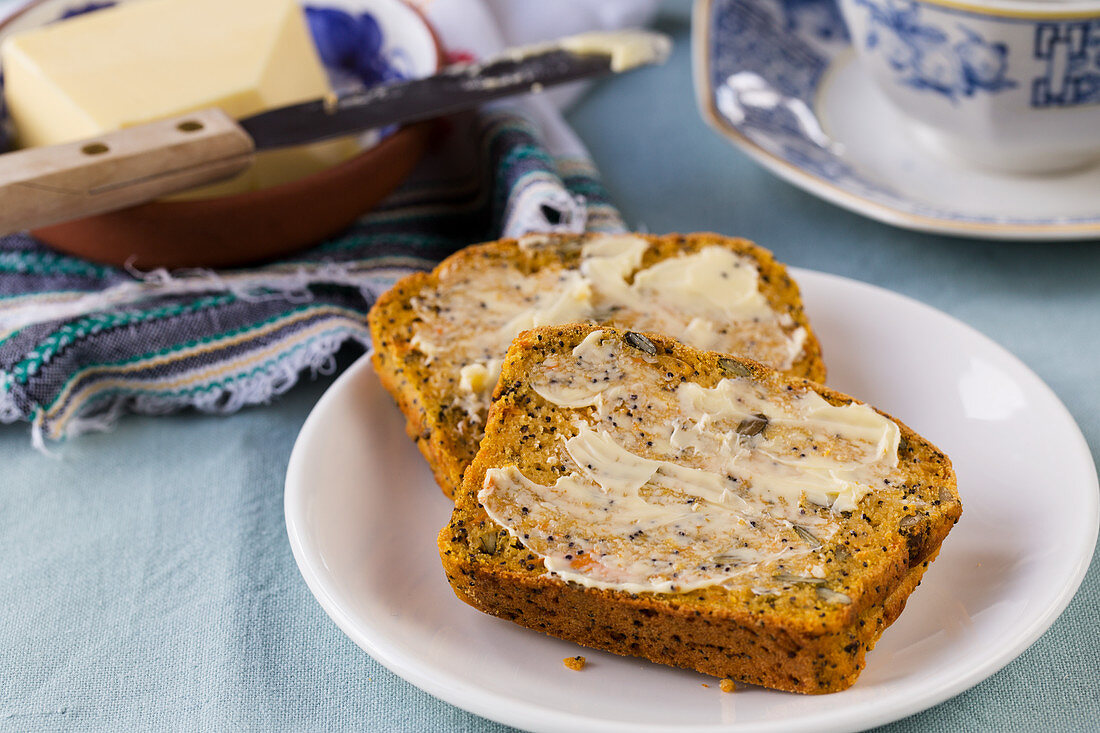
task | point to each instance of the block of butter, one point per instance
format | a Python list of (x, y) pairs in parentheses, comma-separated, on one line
[(142, 61)]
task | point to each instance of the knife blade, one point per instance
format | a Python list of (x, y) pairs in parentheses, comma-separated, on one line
[(458, 87), (47, 185)]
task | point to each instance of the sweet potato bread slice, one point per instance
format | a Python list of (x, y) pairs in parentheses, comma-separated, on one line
[(439, 337), (811, 576)]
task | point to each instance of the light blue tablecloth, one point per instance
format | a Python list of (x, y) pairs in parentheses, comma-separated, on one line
[(146, 582)]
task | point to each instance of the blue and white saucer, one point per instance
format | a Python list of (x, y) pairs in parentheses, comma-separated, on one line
[(780, 79)]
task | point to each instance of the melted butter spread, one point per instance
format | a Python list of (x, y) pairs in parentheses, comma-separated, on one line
[(665, 491), (710, 299), (627, 48)]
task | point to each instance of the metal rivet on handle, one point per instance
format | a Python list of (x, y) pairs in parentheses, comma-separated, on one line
[(94, 149), (189, 126)]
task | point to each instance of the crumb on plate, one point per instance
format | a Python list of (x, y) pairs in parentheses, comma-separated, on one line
[(575, 663), (727, 685)]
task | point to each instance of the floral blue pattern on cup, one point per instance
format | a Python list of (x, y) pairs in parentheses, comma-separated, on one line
[(954, 63)]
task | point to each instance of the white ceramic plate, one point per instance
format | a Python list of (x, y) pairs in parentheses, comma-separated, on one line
[(363, 513), (779, 79)]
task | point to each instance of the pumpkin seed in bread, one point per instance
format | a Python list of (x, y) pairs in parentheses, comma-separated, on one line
[(637, 495), (439, 338)]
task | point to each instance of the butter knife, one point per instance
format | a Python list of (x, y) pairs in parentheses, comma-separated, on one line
[(48, 185)]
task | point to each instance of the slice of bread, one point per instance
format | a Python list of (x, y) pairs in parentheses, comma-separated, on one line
[(439, 338), (637, 495)]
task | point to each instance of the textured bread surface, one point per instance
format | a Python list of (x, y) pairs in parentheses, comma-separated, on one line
[(427, 387), (800, 639)]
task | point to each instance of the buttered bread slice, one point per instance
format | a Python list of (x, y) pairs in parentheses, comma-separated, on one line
[(440, 337), (637, 495)]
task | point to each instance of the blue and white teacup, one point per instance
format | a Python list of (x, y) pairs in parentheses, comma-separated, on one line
[(1012, 85)]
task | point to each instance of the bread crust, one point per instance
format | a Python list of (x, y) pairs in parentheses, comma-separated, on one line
[(700, 638), (436, 424), (795, 642)]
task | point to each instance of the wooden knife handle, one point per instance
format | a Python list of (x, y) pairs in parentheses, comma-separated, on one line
[(47, 185)]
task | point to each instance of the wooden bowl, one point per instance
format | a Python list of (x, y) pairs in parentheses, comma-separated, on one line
[(245, 228)]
